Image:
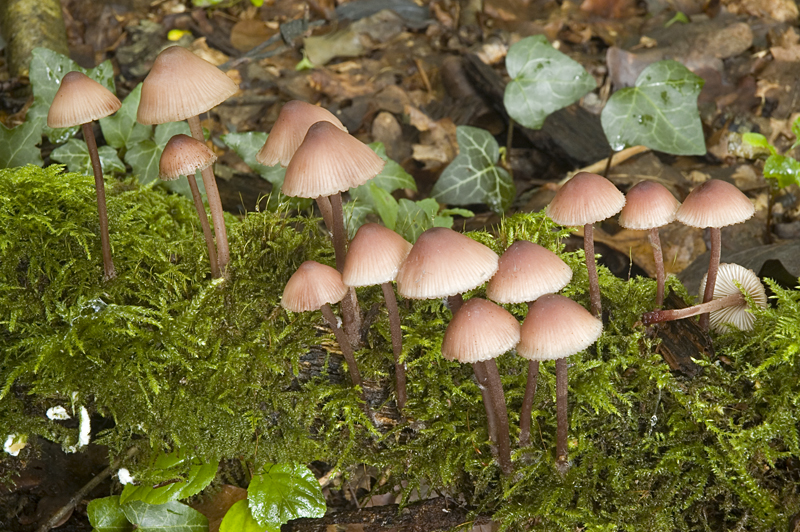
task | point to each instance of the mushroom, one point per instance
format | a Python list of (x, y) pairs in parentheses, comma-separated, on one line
[(184, 155), (526, 272), (714, 204), (181, 86), (649, 205), (374, 257), (583, 200), (81, 100), (728, 305), (478, 333), (555, 328)]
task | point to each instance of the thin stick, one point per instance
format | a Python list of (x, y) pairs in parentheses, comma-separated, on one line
[(713, 268), (397, 344), (495, 386), (108, 264), (562, 454), (591, 266), (661, 278), (657, 316), (201, 212), (527, 404)]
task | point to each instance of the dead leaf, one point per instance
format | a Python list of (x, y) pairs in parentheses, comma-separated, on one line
[(216, 506), (212, 55), (609, 8), (780, 10), (247, 34), (343, 43), (438, 144)]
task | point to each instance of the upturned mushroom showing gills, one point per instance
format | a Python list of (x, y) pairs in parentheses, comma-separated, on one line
[(80, 100), (583, 200), (478, 333), (181, 86), (555, 328)]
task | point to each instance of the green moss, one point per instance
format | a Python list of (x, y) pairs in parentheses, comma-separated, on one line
[(178, 359)]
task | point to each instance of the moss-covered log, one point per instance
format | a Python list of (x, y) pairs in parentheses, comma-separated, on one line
[(28, 24)]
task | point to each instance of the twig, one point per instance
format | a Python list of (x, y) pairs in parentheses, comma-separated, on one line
[(599, 166)]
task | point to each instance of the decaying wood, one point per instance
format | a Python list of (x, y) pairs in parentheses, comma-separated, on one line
[(682, 340), (29, 24)]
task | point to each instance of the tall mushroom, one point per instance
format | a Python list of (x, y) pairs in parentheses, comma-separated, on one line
[(184, 155), (181, 86), (583, 200), (81, 100)]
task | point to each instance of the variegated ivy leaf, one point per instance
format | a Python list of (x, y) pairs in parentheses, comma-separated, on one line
[(121, 129), (18, 145), (75, 154), (473, 176)]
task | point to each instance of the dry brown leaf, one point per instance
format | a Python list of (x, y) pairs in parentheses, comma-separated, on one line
[(438, 143), (247, 34), (780, 10), (216, 506)]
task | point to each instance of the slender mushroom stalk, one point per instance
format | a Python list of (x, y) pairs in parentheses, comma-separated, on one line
[(591, 267), (397, 344), (344, 345), (658, 258), (562, 425), (80, 100), (659, 316), (713, 267)]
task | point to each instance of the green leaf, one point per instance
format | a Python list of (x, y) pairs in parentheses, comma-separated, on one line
[(660, 112), (473, 176), (18, 145), (356, 213), (169, 517), (759, 141), (393, 176), (240, 519), (246, 146), (282, 492), (143, 158), (121, 128), (199, 476), (414, 217), (385, 205), (75, 154), (543, 80), (796, 131), (785, 169), (106, 515)]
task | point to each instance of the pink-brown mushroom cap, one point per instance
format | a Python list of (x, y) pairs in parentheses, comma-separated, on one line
[(648, 205), (526, 272), (375, 256), (557, 327), (585, 199), (715, 203), (80, 100), (479, 331), (312, 286), (184, 155)]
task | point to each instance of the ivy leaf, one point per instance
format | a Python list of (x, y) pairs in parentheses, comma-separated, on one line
[(660, 112), (166, 131), (543, 81), (75, 154), (121, 128), (785, 169), (199, 476), (356, 213), (169, 517), (18, 145), (106, 515), (796, 131), (143, 158), (246, 146), (758, 140), (385, 205), (282, 492), (414, 217), (472, 177), (240, 519), (393, 176)]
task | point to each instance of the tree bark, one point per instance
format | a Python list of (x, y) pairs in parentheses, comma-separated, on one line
[(28, 24)]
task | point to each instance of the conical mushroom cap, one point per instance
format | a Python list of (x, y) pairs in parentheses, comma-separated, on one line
[(329, 161), (444, 263), (290, 129), (80, 100), (374, 256), (312, 286), (739, 315), (715, 203), (526, 272), (479, 331), (181, 85), (184, 155), (557, 327), (648, 205), (585, 199)]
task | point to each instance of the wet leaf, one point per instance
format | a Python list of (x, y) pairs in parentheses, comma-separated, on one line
[(239, 519), (18, 145), (169, 517), (199, 476), (473, 176), (785, 169), (121, 128), (106, 515), (543, 81), (75, 154), (660, 112), (282, 492), (166, 131)]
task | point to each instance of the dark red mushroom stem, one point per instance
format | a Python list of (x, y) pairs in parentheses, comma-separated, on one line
[(214, 202), (397, 344), (201, 213), (494, 386), (657, 316), (591, 266), (562, 454), (347, 350), (658, 257), (324, 204), (351, 314), (105, 242), (713, 268), (527, 400)]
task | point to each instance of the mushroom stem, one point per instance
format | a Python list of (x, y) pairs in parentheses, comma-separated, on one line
[(658, 257), (201, 212), (344, 345), (397, 344), (214, 201), (483, 385), (562, 455), (527, 404), (105, 242), (455, 302), (324, 204), (351, 314), (591, 266), (713, 268), (497, 398), (657, 316)]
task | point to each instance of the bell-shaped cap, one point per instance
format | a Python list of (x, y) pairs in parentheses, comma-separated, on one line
[(585, 199), (329, 161), (184, 155), (715, 203), (181, 85), (374, 256), (444, 263), (728, 276), (312, 286), (557, 327), (480, 330), (290, 129), (648, 205), (526, 272), (80, 100)]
